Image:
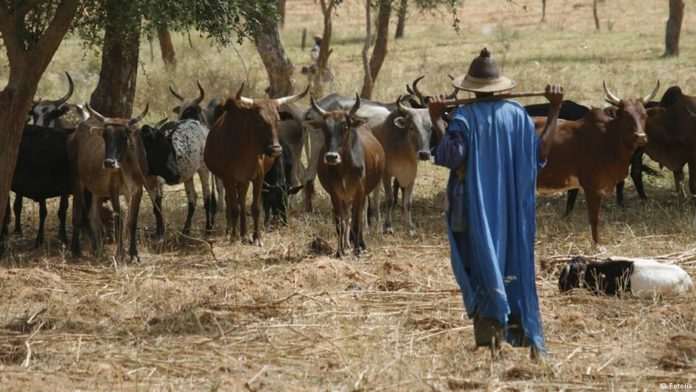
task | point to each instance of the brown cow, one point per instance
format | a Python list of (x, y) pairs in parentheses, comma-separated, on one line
[(672, 137), (107, 158), (349, 166), (240, 148), (594, 152)]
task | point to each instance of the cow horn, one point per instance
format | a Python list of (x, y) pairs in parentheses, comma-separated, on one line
[(174, 93), (415, 87), (71, 88), (355, 107), (94, 113), (239, 96), (402, 109), (691, 112), (652, 95), (161, 122), (142, 115), (201, 95), (292, 98), (316, 107), (611, 98)]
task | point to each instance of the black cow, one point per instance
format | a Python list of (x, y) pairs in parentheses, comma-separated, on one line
[(277, 185), (42, 172)]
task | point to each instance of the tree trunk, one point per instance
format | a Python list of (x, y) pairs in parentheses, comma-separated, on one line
[(281, 11), (27, 65), (594, 13), (379, 53), (543, 10), (167, 48), (674, 23), (277, 63), (327, 9), (118, 76), (401, 22)]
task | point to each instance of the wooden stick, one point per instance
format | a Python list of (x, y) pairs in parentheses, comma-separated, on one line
[(464, 101)]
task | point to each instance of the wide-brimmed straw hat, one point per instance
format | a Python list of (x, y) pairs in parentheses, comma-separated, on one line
[(483, 76)]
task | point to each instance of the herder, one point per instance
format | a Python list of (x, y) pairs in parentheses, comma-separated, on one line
[(494, 153)]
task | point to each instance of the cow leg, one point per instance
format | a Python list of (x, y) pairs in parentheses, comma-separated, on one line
[(678, 179), (191, 196), (570, 201), (204, 176), (232, 210), (692, 180), (255, 205), (357, 224), (118, 224), (42, 222), (408, 202), (221, 200), (95, 223), (637, 173), (18, 213), (4, 230), (388, 192), (77, 217), (62, 217), (133, 210), (594, 204), (241, 201), (340, 229), (619, 193), (308, 192), (156, 196)]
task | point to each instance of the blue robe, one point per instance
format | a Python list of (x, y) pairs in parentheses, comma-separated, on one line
[(493, 259)]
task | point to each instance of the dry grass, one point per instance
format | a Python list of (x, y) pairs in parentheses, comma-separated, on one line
[(282, 317)]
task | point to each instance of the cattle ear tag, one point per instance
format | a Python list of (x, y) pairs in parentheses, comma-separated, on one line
[(400, 122), (96, 131)]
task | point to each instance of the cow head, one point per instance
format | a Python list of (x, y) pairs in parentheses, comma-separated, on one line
[(161, 156), (262, 117), (116, 133), (277, 187), (572, 274), (45, 112), (190, 109), (340, 131), (631, 114), (417, 127)]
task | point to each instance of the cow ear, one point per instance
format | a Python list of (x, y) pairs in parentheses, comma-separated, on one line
[(356, 121), (176, 109), (656, 111), (96, 131), (401, 122), (295, 189)]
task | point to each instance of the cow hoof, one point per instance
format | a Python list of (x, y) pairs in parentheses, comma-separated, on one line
[(411, 233), (134, 259), (389, 230), (257, 242)]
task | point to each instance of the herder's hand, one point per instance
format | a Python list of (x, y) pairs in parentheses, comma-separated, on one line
[(554, 93)]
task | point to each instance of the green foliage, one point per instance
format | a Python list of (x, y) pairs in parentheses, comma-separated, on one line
[(221, 20)]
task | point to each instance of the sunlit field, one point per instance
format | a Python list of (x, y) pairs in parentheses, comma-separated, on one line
[(202, 313)]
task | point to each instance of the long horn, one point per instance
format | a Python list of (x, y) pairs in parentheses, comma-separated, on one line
[(652, 95), (160, 123), (611, 98), (71, 88), (355, 107), (239, 96), (415, 87), (293, 98), (316, 107), (94, 113), (201, 95), (142, 115), (179, 97)]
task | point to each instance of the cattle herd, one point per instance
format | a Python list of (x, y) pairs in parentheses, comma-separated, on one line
[(360, 150)]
